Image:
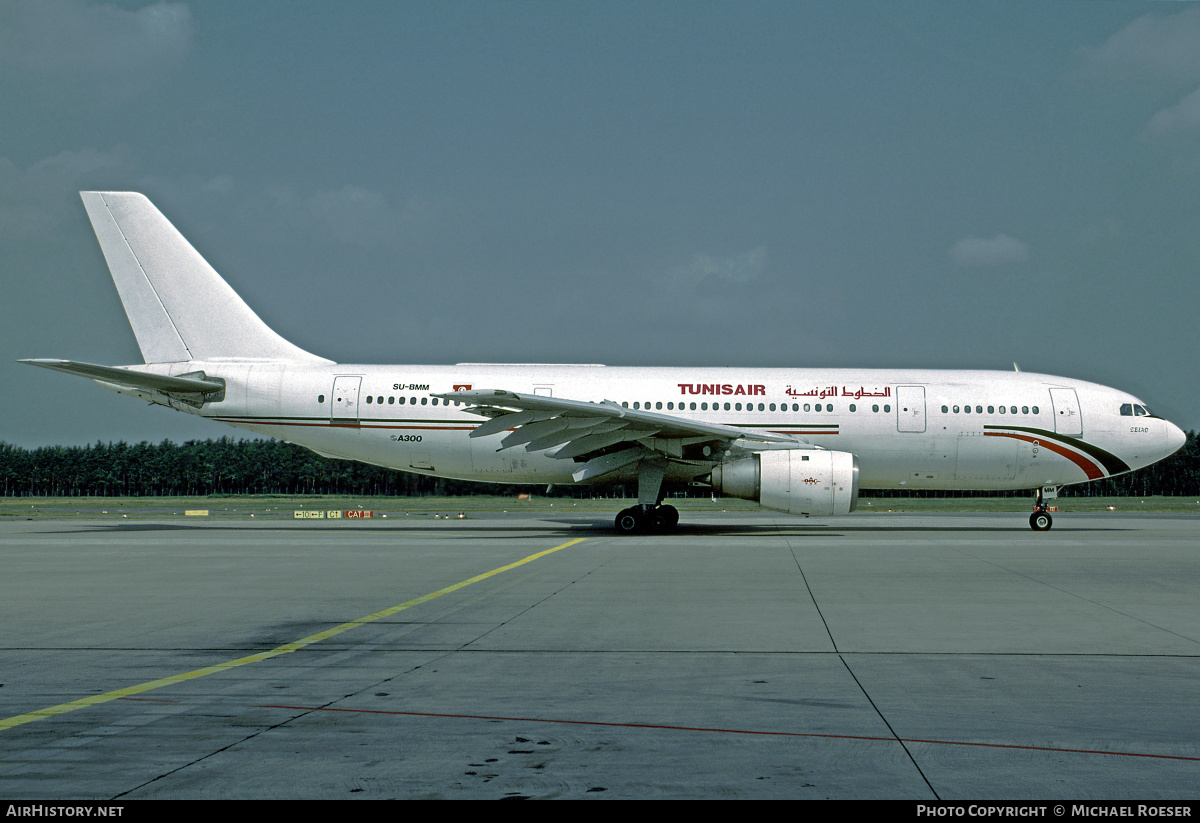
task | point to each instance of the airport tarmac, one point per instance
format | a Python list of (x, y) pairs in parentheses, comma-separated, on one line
[(957, 656)]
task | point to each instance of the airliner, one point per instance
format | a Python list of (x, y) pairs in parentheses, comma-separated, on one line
[(802, 441)]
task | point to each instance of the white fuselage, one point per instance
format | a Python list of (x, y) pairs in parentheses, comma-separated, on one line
[(910, 429)]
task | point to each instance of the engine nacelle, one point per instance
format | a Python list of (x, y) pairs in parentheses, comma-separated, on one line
[(797, 481)]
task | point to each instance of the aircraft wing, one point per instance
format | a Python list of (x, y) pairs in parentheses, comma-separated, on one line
[(588, 432)]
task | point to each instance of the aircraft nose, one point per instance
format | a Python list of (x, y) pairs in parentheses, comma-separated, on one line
[(1175, 438)]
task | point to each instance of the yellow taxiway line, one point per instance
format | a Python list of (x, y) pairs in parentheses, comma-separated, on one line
[(295, 645)]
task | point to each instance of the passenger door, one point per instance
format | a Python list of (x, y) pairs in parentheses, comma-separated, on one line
[(1067, 419), (910, 408)]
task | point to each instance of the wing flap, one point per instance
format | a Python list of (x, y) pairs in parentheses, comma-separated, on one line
[(592, 442), (608, 463)]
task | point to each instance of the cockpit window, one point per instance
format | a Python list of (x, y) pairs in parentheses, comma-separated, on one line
[(1135, 410)]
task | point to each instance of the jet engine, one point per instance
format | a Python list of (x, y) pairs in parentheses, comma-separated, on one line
[(797, 481)]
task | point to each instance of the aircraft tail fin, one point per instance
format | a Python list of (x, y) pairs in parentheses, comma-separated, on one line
[(179, 307)]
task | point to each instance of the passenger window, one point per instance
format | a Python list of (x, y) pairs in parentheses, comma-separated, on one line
[(1024, 410), (693, 405), (828, 407), (369, 398), (704, 406), (772, 407), (1035, 409), (853, 407), (956, 409), (966, 409), (887, 407), (1012, 409), (424, 401), (979, 409), (320, 398), (991, 409), (391, 401), (658, 405), (726, 407), (738, 406), (806, 407)]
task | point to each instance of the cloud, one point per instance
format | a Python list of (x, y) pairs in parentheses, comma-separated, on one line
[(1160, 50), (103, 48), (359, 216), (1180, 118), (1154, 47), (35, 201), (977, 252), (221, 184), (707, 270)]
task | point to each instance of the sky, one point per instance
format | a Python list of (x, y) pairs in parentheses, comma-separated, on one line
[(852, 184)]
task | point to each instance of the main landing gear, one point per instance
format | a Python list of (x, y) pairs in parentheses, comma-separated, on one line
[(649, 515), (647, 519), (1040, 520)]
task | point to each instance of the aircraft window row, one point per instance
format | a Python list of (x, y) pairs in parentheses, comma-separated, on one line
[(990, 409), (380, 400), (693, 406), (1134, 410), (400, 401)]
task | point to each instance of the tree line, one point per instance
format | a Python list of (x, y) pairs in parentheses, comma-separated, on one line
[(228, 466)]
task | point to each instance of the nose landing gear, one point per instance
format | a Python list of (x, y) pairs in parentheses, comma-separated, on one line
[(1040, 520)]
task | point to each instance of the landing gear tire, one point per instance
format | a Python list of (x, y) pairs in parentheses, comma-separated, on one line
[(629, 521), (671, 515), (658, 519), (1041, 521)]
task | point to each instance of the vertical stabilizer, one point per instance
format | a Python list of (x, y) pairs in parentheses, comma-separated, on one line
[(178, 305)]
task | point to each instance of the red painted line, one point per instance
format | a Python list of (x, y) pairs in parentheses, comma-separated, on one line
[(1092, 471), (257, 422), (736, 731)]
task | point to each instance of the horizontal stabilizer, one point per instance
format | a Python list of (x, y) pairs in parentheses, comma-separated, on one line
[(195, 383)]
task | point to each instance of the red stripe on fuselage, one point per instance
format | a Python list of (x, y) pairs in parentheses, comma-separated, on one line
[(1092, 471)]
